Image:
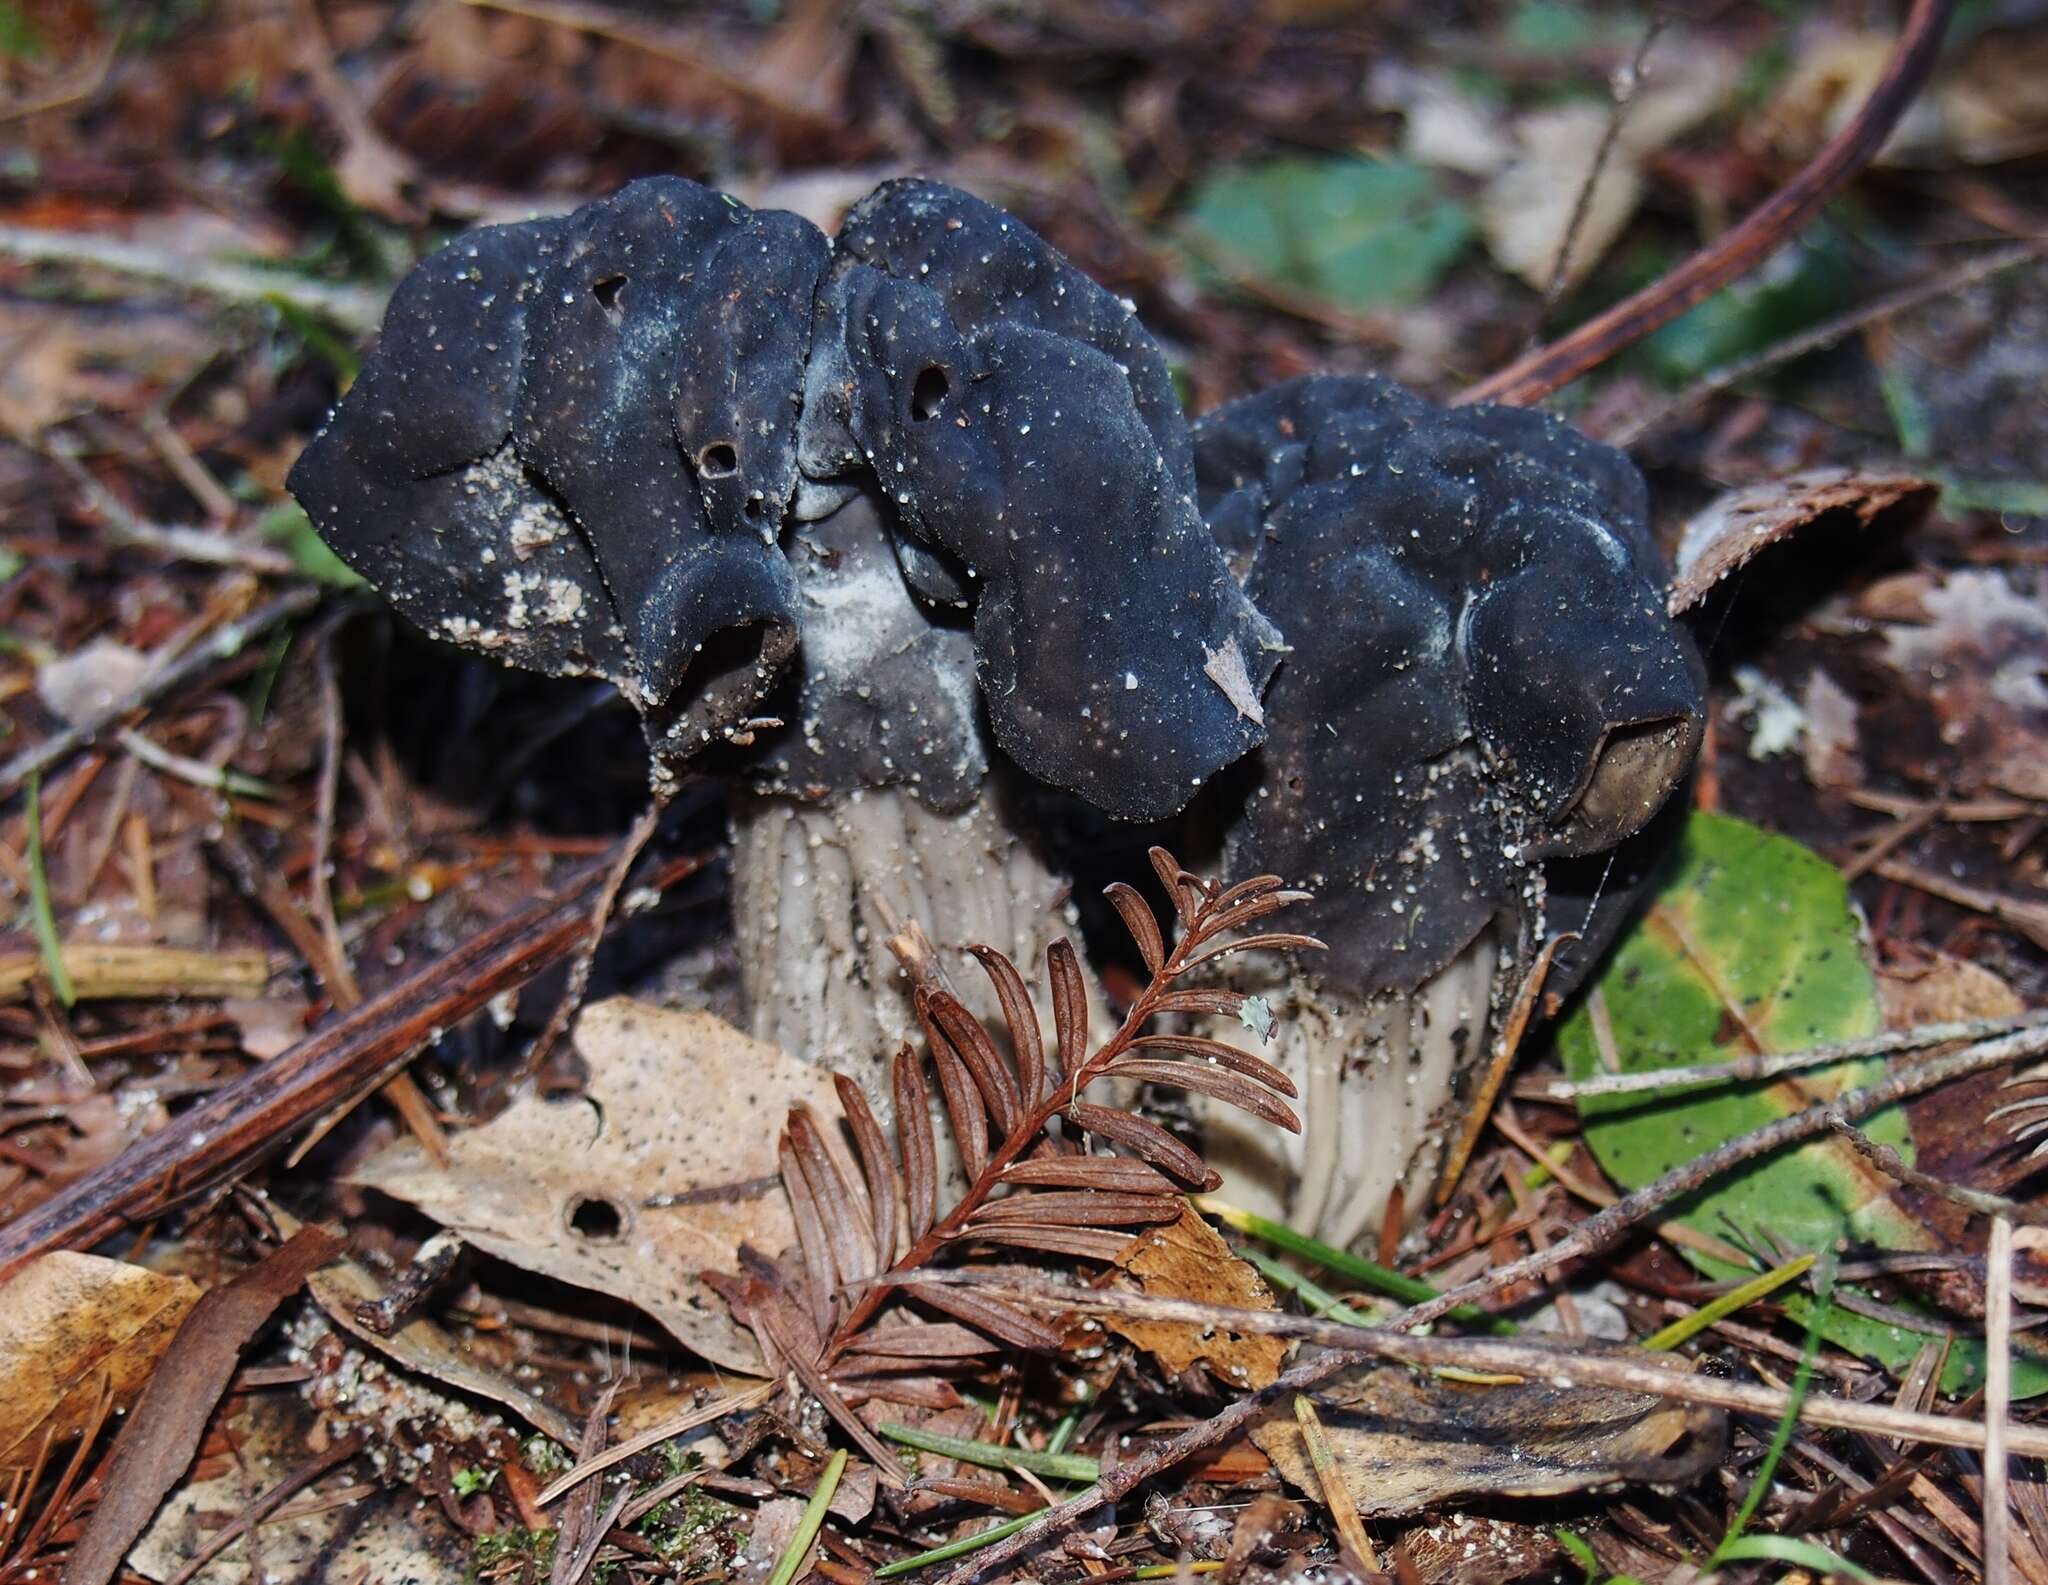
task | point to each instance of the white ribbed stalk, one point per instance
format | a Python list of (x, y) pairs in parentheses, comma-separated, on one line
[(1379, 1082), (818, 889)]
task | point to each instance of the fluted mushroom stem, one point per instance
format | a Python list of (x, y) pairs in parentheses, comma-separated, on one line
[(1380, 1080), (818, 889)]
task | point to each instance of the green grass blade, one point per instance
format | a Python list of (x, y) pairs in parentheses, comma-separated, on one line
[(1053, 1466), (1367, 1273), (1790, 1549), (39, 900), (813, 1521), (959, 1548), (1802, 1378), (1318, 1299), (1707, 1314)]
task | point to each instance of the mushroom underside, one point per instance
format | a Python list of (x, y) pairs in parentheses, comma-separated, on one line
[(1380, 1077), (820, 888)]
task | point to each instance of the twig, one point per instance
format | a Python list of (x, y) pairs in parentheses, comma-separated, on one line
[(1604, 1228), (159, 682), (1892, 1165), (353, 308), (1743, 1069), (228, 1132), (1625, 85), (1608, 1226), (1826, 334), (636, 838), (1743, 246), (1997, 1403), (2028, 918), (675, 1425), (260, 1509)]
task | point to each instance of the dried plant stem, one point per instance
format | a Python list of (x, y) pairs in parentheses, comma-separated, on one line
[(1593, 1234), (1743, 246), (1192, 948), (222, 646), (1769, 1066), (1826, 334), (1893, 1165), (1998, 1434), (238, 1125), (1608, 1226)]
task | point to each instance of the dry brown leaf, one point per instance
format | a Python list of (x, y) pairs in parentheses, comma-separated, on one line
[(424, 1347), (1528, 210), (155, 1446), (1977, 661), (1188, 1259), (677, 1104), (1407, 1442), (1475, 1549), (382, 1533), (71, 1327), (1733, 527)]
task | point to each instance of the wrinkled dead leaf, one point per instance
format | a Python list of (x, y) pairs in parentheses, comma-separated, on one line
[(678, 1104), (424, 1347), (1833, 758), (1188, 1259), (1474, 1549), (1978, 663), (1733, 527), (72, 1327), (383, 1532), (1988, 102), (1526, 212), (1225, 668), (1406, 1442)]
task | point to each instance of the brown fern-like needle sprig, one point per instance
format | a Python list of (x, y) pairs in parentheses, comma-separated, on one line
[(868, 1219)]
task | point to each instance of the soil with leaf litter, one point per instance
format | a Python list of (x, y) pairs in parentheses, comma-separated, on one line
[(435, 1297)]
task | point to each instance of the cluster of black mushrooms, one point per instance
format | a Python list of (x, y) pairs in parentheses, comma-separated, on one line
[(908, 524)]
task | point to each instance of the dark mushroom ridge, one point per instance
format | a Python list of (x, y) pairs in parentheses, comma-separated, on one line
[(1021, 426), (576, 447), (1481, 676)]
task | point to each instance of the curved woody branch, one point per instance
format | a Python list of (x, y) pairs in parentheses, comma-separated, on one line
[(1761, 233)]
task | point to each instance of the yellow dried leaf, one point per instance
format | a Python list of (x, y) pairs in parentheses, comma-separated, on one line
[(71, 1328), (1188, 1259)]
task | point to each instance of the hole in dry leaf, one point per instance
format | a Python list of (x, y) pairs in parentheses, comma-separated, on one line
[(596, 1218)]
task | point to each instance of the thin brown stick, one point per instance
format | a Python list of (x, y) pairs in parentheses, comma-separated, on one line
[(262, 1507), (1607, 1227), (220, 648), (240, 1124), (1825, 335), (636, 838), (1744, 246), (1550, 1362), (1743, 1069), (1889, 1162), (1613, 1223)]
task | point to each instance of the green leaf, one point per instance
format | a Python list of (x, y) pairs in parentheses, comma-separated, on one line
[(289, 528), (1751, 942), (1790, 1549), (1355, 233), (1797, 290)]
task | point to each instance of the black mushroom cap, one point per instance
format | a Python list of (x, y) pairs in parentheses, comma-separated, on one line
[(1022, 427), (574, 446), (881, 694), (1480, 674)]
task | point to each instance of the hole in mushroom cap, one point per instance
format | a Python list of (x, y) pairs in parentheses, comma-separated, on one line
[(1634, 770), (606, 291), (928, 393), (596, 1218), (719, 460)]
